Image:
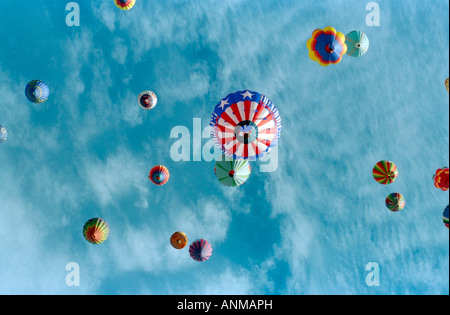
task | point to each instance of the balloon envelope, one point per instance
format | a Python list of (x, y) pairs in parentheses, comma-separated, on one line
[(37, 91), (96, 231), (395, 202), (445, 216), (232, 173), (125, 4), (245, 125), (327, 46), (385, 172), (357, 43), (441, 178), (159, 175), (147, 100), (178, 240), (3, 134), (200, 250)]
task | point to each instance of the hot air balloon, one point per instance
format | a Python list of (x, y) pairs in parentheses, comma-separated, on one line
[(178, 240), (200, 250), (245, 125), (3, 134), (159, 175), (96, 231), (327, 46), (125, 4), (395, 202), (385, 172), (357, 43), (147, 100), (447, 84), (232, 173), (445, 217), (441, 178), (37, 91)]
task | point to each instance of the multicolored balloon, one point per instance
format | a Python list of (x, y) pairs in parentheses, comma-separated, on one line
[(3, 134), (395, 202), (385, 172), (37, 91), (327, 46), (178, 240), (232, 173), (245, 125), (441, 178), (357, 43), (159, 175), (445, 217), (96, 231), (125, 4), (147, 100), (200, 250)]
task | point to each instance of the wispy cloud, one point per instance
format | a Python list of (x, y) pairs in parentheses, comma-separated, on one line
[(318, 220), (120, 174)]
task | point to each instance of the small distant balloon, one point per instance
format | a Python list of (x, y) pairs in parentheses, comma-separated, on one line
[(147, 100), (447, 84), (37, 91), (385, 172), (96, 231), (200, 250), (125, 4), (327, 46), (445, 216), (178, 240), (395, 202), (159, 175), (232, 173), (441, 178), (357, 43), (3, 134)]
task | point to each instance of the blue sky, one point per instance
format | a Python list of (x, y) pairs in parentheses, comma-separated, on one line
[(310, 227)]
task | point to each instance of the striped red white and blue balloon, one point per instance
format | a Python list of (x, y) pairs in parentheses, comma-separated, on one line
[(245, 125), (200, 250)]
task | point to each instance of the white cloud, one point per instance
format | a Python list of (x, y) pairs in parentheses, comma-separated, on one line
[(27, 266), (120, 51), (131, 112), (208, 219), (322, 198), (236, 281), (119, 175)]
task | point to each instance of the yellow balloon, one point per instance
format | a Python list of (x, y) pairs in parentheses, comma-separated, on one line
[(178, 240), (125, 4)]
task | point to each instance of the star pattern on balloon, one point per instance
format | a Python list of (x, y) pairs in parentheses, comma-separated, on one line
[(247, 94)]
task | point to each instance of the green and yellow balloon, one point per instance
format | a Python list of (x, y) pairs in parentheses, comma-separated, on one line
[(385, 172), (232, 173), (96, 231), (395, 202)]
